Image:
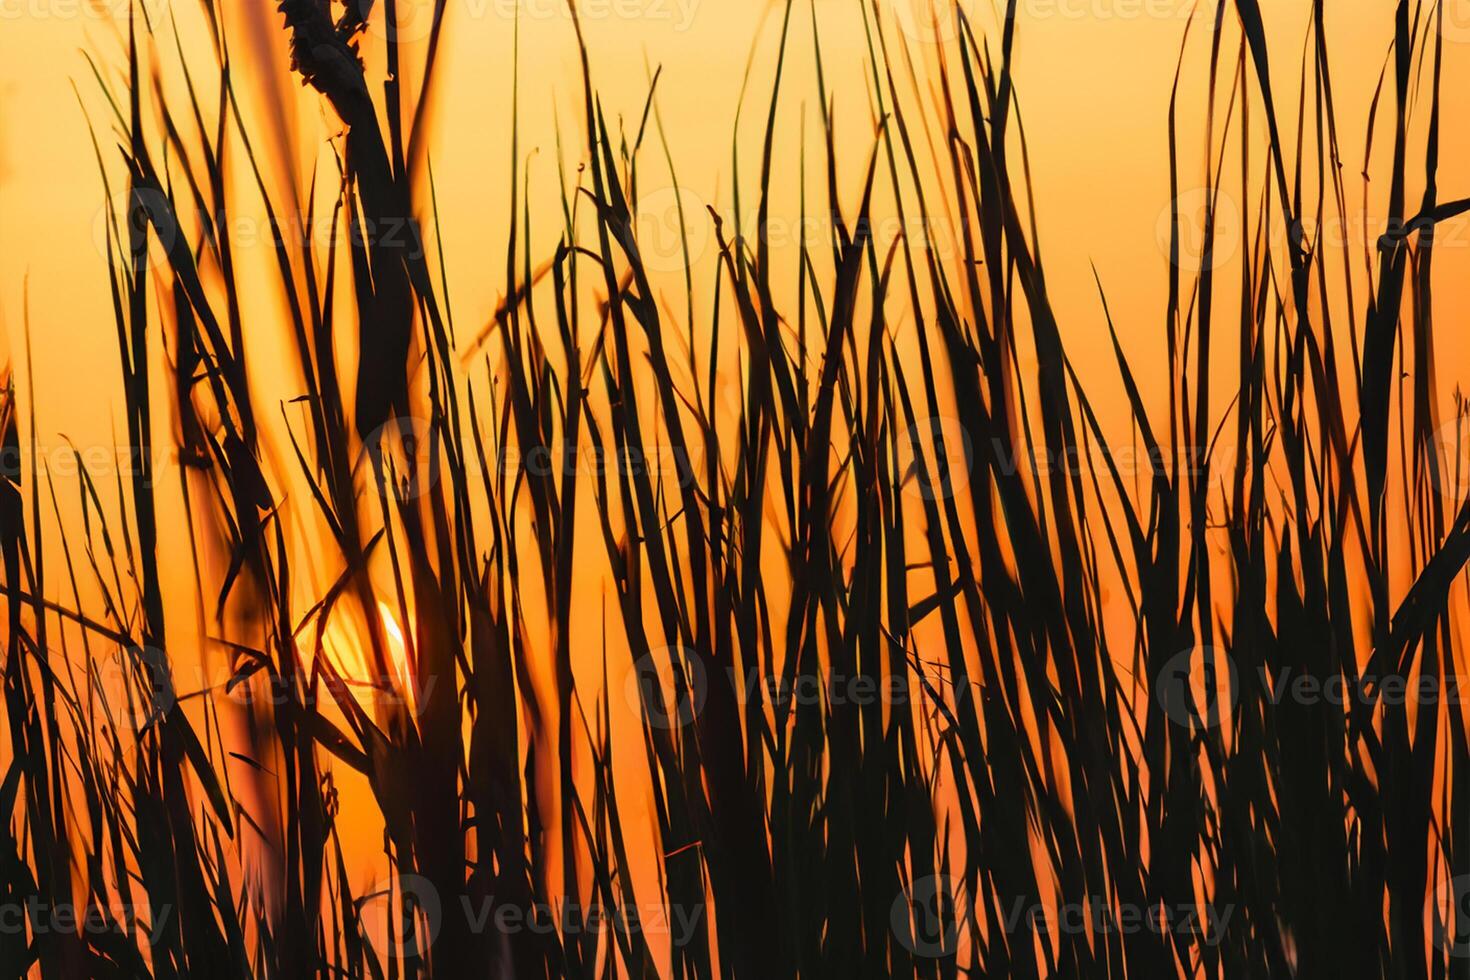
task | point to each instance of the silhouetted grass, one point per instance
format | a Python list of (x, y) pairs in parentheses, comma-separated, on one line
[(1028, 755)]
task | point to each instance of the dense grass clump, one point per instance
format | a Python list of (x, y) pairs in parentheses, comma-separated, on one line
[(853, 651)]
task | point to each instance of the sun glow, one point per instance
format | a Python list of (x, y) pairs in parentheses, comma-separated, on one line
[(348, 650)]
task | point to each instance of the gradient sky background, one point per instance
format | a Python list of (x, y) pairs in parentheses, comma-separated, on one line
[(1094, 79)]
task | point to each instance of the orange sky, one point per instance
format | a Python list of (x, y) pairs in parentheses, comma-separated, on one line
[(1093, 80)]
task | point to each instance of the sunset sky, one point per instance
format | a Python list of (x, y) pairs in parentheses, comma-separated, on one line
[(1093, 81), (1093, 78), (1093, 85)]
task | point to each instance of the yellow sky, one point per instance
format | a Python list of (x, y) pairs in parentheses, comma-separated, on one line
[(1093, 78)]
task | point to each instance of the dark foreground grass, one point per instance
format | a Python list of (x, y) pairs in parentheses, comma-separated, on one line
[(1039, 793)]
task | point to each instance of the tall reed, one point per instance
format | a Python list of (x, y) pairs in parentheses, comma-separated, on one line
[(990, 773)]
